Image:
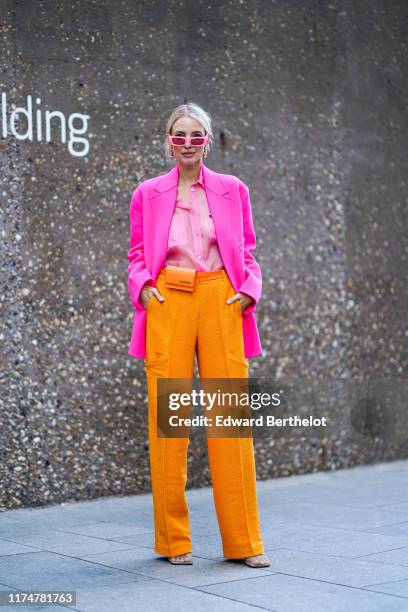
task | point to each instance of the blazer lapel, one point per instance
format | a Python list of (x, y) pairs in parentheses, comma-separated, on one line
[(163, 202)]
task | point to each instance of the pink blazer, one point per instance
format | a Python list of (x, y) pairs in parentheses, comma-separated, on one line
[(151, 209)]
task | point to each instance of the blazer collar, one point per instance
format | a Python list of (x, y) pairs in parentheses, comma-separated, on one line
[(210, 179)]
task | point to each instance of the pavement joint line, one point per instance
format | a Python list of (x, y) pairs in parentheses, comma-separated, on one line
[(380, 552), (346, 586)]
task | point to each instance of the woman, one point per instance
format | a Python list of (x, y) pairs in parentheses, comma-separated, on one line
[(195, 284)]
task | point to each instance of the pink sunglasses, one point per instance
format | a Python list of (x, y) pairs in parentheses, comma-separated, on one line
[(194, 141)]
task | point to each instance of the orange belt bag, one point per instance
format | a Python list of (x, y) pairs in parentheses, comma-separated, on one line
[(178, 277)]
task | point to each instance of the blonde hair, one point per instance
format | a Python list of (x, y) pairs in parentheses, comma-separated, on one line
[(196, 112)]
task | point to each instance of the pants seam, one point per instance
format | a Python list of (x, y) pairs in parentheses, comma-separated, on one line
[(164, 493), (243, 493)]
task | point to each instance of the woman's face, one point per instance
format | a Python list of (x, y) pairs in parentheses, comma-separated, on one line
[(187, 126)]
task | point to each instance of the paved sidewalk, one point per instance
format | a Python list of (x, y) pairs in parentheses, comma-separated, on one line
[(337, 541)]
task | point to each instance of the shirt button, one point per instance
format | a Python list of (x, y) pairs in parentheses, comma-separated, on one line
[(192, 189)]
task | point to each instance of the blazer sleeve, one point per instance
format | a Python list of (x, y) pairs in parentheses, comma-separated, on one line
[(252, 284), (138, 274)]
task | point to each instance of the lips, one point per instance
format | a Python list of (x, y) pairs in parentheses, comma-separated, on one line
[(188, 154)]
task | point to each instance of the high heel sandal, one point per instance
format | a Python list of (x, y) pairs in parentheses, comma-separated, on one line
[(185, 559), (257, 561)]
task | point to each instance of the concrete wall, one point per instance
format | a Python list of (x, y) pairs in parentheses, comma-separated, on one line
[(309, 108)]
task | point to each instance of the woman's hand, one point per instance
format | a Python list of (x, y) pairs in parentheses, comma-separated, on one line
[(150, 293), (246, 300)]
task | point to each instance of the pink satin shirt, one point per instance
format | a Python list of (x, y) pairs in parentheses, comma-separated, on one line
[(192, 240)]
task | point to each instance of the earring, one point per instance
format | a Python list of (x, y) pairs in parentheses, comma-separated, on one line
[(205, 152), (171, 153)]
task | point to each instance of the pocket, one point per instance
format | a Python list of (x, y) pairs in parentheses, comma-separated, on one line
[(153, 297), (238, 359), (154, 361), (157, 366), (238, 308), (238, 366)]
